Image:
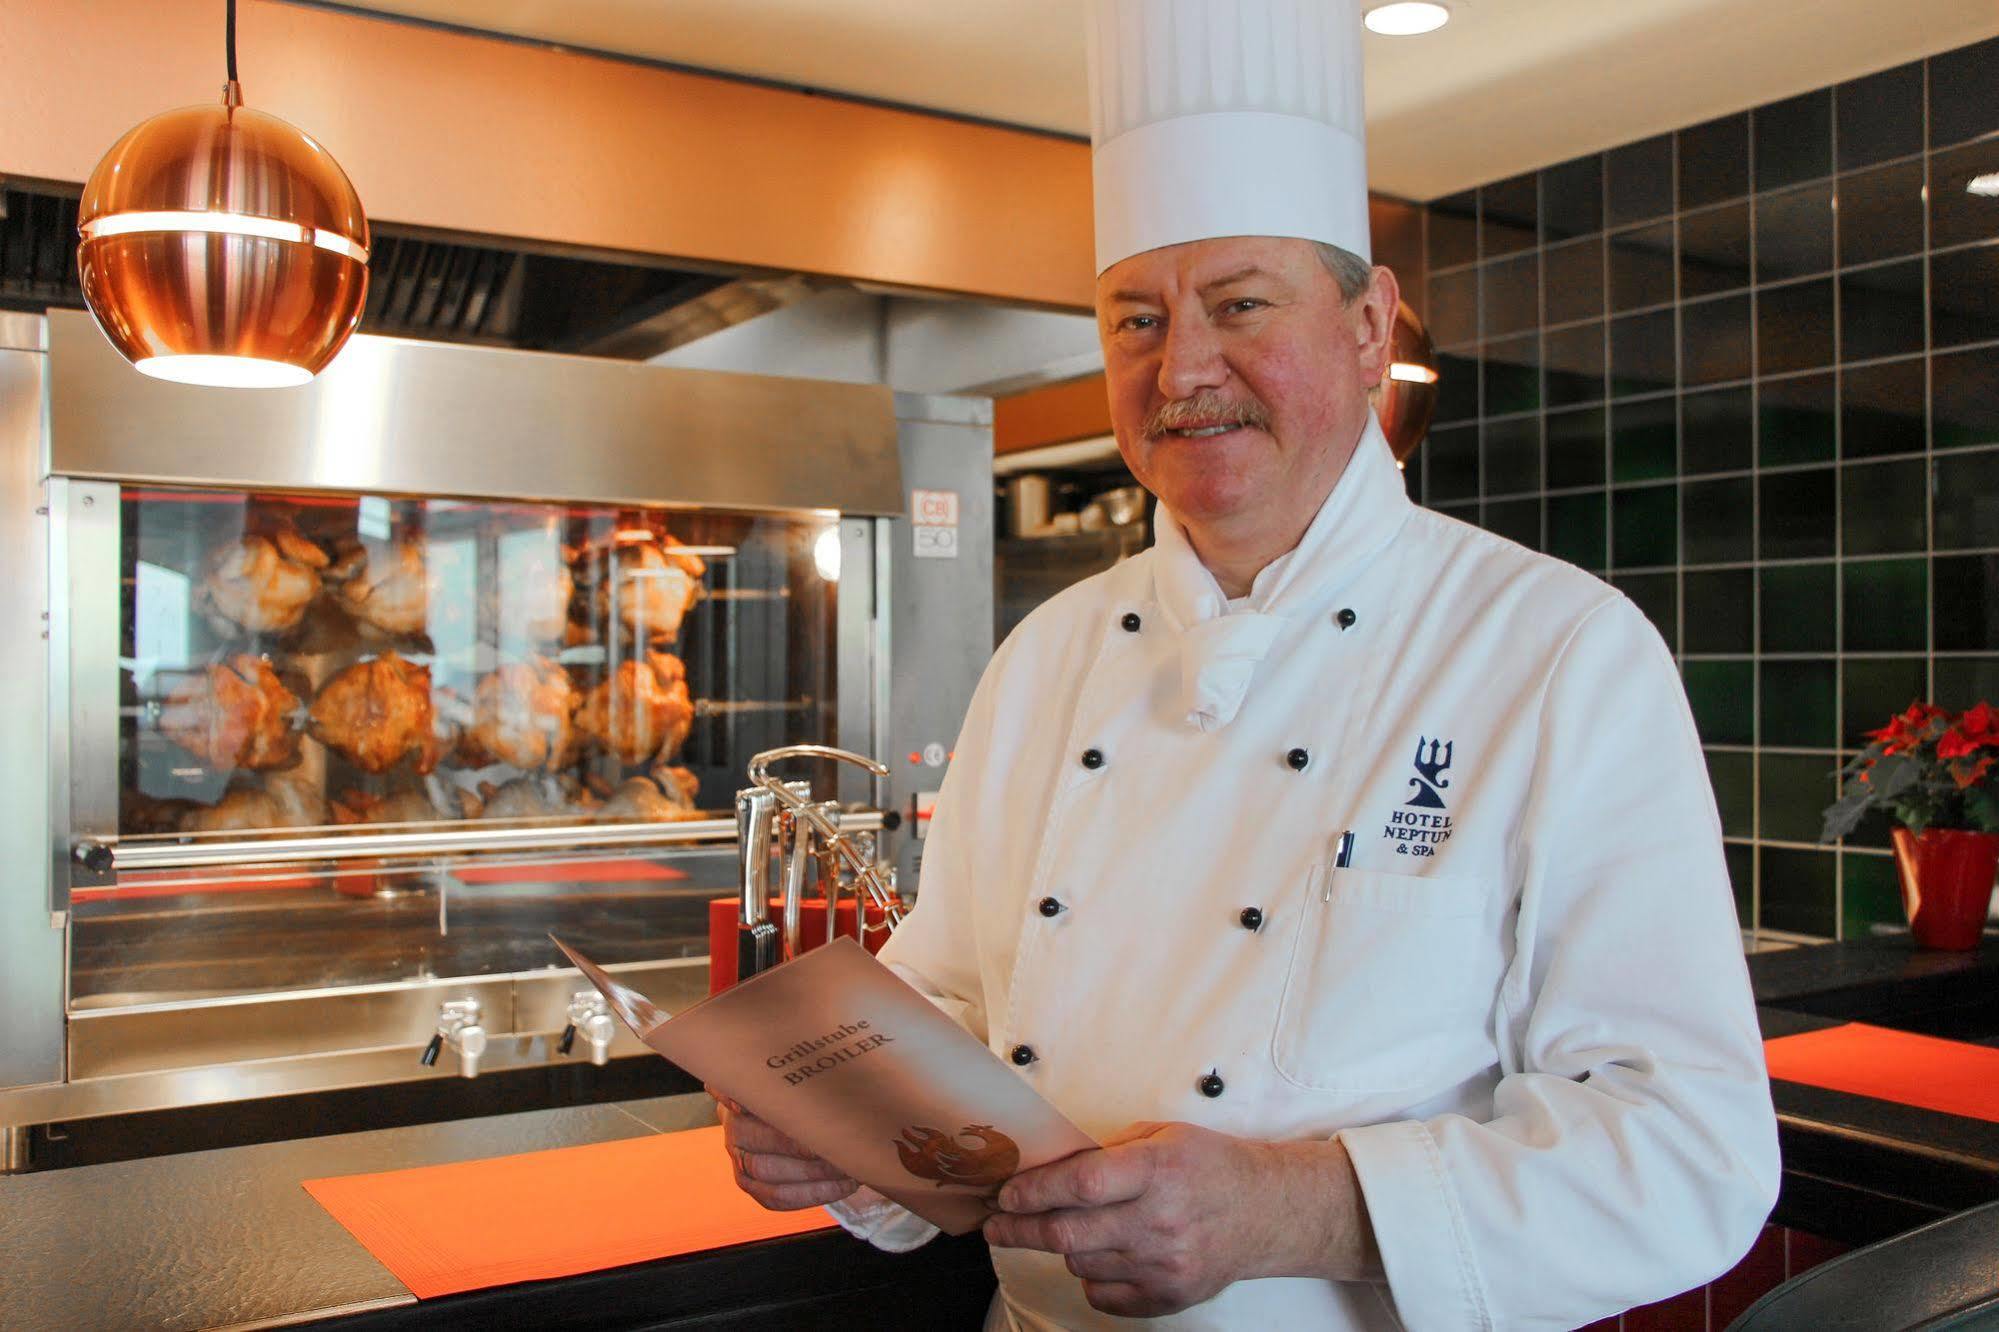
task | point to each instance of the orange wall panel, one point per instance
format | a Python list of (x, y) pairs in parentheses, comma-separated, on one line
[(464, 133), (1056, 414)]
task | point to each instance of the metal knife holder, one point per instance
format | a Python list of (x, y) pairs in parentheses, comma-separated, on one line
[(785, 837)]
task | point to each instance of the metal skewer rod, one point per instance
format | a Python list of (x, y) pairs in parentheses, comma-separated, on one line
[(161, 852)]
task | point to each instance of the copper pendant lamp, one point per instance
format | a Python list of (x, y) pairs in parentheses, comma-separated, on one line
[(1406, 397), (223, 246)]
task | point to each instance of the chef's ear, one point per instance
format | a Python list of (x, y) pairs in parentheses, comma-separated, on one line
[(1372, 316)]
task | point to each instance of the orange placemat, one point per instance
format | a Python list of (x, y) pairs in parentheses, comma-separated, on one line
[(1925, 1071), (450, 1228)]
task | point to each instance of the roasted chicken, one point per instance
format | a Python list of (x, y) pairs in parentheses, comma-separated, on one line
[(643, 709), (378, 712), (650, 583), (414, 805), (680, 784), (524, 714), (664, 795), (261, 583), (278, 800), (235, 714), (141, 813), (537, 797), (385, 586), (528, 603)]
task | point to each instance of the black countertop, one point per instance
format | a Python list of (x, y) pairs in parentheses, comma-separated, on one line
[(1887, 981), (1856, 1168)]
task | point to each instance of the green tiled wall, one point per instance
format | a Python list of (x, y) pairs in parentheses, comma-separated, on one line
[(1749, 373)]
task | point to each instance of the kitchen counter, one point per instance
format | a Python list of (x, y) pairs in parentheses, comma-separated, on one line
[(229, 1239), (1887, 981), (1858, 1169)]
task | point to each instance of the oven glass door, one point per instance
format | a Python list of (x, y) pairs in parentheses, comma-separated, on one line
[(294, 668)]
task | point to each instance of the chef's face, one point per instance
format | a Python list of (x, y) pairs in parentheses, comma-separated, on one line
[(1239, 374)]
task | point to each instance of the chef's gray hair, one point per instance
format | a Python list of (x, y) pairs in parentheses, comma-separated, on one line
[(1348, 269)]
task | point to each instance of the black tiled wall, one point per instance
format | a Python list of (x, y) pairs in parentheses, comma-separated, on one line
[(1749, 372)]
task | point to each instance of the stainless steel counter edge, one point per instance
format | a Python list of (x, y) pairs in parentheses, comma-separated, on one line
[(239, 1048), (229, 1239), (319, 1315)]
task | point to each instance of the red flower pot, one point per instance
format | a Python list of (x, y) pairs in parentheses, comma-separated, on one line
[(1946, 883)]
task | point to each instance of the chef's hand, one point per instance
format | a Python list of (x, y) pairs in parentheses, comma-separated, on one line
[(1165, 1215), (773, 1169)]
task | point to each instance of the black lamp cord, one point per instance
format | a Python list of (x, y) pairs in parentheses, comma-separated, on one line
[(229, 29)]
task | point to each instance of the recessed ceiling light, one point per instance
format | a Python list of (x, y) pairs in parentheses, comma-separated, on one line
[(1987, 185), (1406, 18)]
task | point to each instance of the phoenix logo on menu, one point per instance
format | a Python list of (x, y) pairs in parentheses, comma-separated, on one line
[(978, 1155)]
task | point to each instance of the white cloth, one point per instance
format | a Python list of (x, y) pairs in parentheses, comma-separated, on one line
[(1523, 1007), (1226, 118)]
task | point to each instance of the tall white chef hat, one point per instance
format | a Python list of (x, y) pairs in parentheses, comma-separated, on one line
[(1226, 118)]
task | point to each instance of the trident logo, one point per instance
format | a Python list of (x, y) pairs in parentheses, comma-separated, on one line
[(1430, 779)]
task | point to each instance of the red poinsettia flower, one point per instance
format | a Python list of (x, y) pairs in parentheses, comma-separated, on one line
[(1906, 730), (1968, 774), (1919, 715), (1928, 746), (1956, 744), (1893, 737), (1981, 724)]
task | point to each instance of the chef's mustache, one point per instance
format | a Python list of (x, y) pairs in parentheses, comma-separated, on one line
[(1207, 408)]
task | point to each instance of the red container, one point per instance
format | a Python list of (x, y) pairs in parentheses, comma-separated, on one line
[(1946, 884), (725, 912)]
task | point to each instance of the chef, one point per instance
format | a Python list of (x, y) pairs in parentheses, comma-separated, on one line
[(1349, 873)]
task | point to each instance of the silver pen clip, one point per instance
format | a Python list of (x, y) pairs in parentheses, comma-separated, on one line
[(1342, 859)]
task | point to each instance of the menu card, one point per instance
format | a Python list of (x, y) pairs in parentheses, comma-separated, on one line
[(836, 1051)]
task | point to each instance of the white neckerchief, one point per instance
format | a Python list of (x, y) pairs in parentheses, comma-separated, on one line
[(1223, 641)]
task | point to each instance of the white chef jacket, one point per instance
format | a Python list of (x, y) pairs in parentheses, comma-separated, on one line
[(1522, 1005)]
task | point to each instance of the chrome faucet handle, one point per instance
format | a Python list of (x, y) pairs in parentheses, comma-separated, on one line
[(591, 1015), (890, 918), (797, 851), (759, 833), (760, 764), (458, 1026), (756, 832), (801, 855), (830, 878), (867, 876)]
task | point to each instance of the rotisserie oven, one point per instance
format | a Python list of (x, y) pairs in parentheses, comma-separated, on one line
[(350, 694)]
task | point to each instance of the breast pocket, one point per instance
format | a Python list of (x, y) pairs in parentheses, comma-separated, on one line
[(1383, 992)]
